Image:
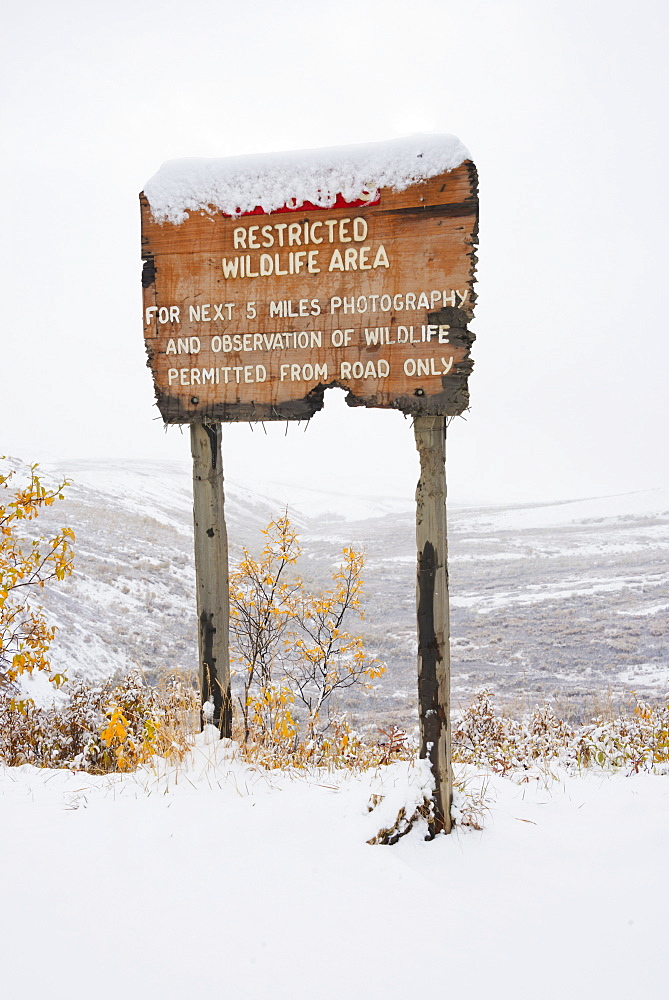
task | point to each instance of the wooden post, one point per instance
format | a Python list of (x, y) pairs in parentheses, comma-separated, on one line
[(434, 667), (211, 571)]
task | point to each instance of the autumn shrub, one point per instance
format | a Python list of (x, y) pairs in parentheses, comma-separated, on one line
[(293, 648), (115, 726), (636, 741), (262, 608), (28, 561), (340, 746)]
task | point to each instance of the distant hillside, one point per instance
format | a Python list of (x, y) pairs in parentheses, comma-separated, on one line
[(565, 600)]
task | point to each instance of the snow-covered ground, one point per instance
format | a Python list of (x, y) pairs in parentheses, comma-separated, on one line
[(218, 879)]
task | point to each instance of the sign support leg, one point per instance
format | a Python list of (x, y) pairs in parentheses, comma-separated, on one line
[(434, 665), (211, 572)]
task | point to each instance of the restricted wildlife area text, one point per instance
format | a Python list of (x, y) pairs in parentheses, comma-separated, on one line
[(263, 312)]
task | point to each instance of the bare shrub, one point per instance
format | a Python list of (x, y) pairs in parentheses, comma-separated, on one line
[(636, 740)]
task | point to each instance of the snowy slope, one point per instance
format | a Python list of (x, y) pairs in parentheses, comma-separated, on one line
[(566, 600)]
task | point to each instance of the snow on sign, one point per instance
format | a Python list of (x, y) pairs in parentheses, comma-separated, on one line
[(269, 278)]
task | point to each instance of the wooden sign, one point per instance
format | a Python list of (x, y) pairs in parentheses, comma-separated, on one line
[(252, 318), (252, 314)]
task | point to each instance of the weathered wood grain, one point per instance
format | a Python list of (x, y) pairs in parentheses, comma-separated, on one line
[(211, 572), (433, 614)]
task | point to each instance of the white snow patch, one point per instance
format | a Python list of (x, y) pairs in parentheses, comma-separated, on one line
[(648, 674), (239, 184), (534, 593), (590, 510), (656, 609), (269, 873), (310, 502)]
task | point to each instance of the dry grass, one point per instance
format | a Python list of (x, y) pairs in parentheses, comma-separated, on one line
[(340, 746)]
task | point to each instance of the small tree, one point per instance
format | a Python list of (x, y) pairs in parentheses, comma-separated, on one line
[(262, 606), (293, 645), (27, 564), (328, 657)]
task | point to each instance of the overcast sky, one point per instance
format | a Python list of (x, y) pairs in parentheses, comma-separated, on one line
[(562, 104)]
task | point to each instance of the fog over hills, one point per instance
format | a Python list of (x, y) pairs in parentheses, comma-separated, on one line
[(567, 601)]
